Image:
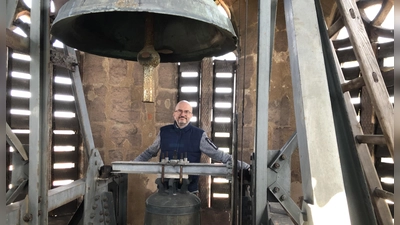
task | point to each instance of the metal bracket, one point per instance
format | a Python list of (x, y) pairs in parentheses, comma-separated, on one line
[(279, 177), (103, 210)]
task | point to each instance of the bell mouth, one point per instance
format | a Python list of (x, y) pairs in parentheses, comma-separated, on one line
[(179, 35)]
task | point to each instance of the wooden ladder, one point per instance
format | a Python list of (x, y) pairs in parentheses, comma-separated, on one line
[(374, 83)]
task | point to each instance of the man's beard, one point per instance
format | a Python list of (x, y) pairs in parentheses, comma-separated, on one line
[(182, 121)]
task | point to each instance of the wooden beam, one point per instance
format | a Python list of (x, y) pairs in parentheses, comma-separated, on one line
[(356, 83), (375, 139), (341, 43), (336, 27), (382, 211), (353, 84), (366, 4), (17, 42), (383, 12), (384, 194), (380, 31)]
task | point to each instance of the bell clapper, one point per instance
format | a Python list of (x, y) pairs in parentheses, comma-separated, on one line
[(149, 58)]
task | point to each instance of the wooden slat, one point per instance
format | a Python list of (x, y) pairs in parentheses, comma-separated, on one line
[(17, 42), (221, 188), (348, 55), (19, 103), (341, 43), (388, 187), (335, 27), (65, 174), (66, 124), (66, 140), (18, 84), (19, 122), (64, 106), (369, 68), (63, 157), (386, 170), (62, 89), (381, 151), (19, 65)]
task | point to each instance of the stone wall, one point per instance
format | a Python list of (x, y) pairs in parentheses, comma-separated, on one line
[(122, 125)]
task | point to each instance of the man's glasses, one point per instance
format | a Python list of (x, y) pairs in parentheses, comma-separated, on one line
[(180, 111)]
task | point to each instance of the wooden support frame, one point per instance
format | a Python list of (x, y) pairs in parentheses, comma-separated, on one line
[(370, 69)]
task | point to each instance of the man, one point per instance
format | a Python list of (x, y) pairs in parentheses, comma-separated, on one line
[(181, 138)]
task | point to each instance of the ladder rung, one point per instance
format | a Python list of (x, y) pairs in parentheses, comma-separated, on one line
[(353, 84), (375, 139), (335, 27), (384, 194)]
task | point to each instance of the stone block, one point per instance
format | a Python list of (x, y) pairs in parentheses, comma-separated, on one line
[(120, 133), (97, 107), (121, 98), (168, 75), (94, 72), (118, 72), (115, 155)]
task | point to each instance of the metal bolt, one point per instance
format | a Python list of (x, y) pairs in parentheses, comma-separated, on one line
[(283, 198), (104, 199), (96, 197), (95, 162), (27, 217), (105, 205), (94, 206), (92, 215), (107, 220), (277, 165), (106, 213), (283, 157), (101, 220), (40, 199), (276, 189), (101, 213)]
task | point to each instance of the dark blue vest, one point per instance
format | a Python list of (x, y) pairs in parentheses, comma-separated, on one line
[(180, 143)]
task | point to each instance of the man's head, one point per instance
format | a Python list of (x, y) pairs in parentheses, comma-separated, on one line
[(183, 113)]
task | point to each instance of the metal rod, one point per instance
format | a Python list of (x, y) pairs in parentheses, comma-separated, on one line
[(266, 26), (157, 168), (13, 140), (64, 194), (83, 115), (40, 105)]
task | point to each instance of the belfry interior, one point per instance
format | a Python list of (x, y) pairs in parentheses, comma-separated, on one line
[(303, 91)]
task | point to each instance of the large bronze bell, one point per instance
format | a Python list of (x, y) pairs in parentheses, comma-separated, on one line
[(179, 30)]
